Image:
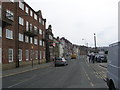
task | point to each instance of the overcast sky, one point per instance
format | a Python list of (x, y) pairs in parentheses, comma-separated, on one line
[(77, 19)]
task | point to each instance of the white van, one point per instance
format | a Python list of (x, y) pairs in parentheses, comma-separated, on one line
[(113, 68)]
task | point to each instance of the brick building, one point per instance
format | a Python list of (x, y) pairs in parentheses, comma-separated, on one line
[(23, 35), (49, 44)]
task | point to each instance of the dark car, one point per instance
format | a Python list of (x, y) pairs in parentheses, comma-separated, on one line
[(60, 61)]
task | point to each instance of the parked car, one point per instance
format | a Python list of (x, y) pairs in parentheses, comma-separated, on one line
[(60, 61), (101, 58)]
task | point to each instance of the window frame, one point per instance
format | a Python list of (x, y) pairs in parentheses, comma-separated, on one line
[(10, 49)]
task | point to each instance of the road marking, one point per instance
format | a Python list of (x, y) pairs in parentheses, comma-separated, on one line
[(88, 78), (87, 75), (21, 82), (92, 84)]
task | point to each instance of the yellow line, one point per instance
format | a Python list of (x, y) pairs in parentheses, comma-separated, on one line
[(88, 78), (92, 84)]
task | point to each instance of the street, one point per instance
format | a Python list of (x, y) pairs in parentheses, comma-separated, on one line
[(77, 74)]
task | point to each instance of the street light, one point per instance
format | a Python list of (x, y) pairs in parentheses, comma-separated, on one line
[(95, 42), (17, 41)]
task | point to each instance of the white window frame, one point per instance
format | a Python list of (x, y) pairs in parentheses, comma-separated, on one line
[(31, 40), (31, 27), (40, 42), (40, 20), (21, 37), (40, 31), (9, 34), (21, 21), (20, 54), (31, 13), (26, 39), (35, 41), (26, 9), (40, 55), (35, 16), (10, 57), (27, 26), (36, 54), (43, 43), (44, 54), (27, 54), (21, 5), (0, 31)]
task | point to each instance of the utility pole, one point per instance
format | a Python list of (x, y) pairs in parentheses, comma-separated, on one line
[(95, 42)]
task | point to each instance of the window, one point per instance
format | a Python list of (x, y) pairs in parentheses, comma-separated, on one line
[(0, 12), (40, 42), (0, 31), (31, 54), (27, 55), (35, 28), (21, 5), (26, 10), (40, 31), (35, 41), (9, 14), (27, 25), (40, 54), (0, 55), (30, 27), (31, 13), (43, 54), (9, 34), (20, 37), (10, 55), (31, 40), (43, 43), (26, 39), (20, 54), (36, 52), (35, 16), (12, 0), (21, 21), (40, 20)]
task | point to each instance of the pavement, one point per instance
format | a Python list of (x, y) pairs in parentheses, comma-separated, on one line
[(19, 70)]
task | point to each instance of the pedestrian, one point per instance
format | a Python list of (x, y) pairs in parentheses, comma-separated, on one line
[(93, 58), (89, 58)]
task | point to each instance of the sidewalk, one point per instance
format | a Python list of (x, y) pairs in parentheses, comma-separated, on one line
[(25, 69)]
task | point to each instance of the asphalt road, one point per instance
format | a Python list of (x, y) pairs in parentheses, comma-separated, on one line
[(77, 74)]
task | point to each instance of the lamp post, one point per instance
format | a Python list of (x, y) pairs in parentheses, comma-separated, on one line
[(95, 42), (32, 56)]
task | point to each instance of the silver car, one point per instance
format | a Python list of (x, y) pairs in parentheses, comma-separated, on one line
[(60, 61)]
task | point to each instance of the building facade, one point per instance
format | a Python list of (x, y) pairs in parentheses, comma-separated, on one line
[(23, 35), (49, 44)]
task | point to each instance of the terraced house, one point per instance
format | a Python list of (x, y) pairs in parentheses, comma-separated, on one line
[(22, 35)]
